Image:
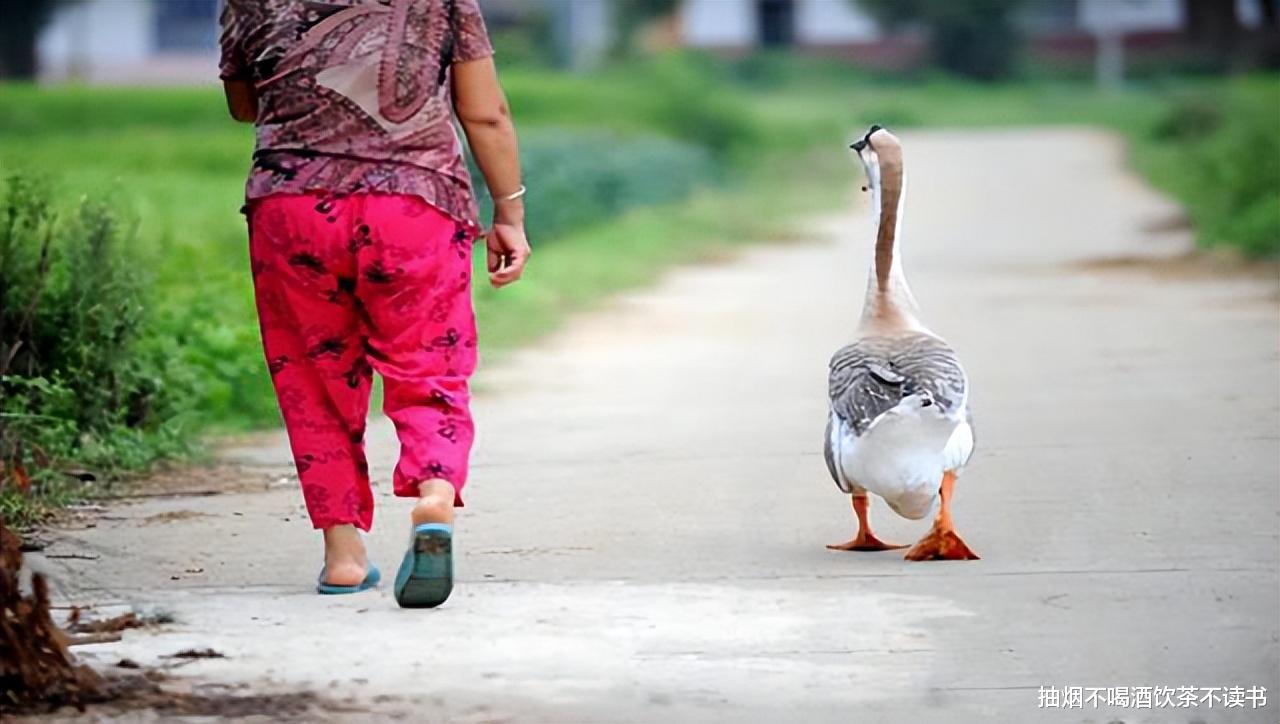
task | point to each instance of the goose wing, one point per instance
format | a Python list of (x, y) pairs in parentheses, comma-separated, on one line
[(873, 375)]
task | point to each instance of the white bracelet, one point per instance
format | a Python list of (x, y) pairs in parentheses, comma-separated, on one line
[(513, 196)]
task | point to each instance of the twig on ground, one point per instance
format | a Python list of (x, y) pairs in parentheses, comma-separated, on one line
[(105, 637)]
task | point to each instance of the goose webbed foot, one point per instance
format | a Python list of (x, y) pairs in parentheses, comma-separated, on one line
[(942, 543), (865, 540)]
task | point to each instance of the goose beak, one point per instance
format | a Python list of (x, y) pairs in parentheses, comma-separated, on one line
[(865, 141)]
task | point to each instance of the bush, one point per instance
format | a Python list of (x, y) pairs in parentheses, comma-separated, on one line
[(80, 386), (1191, 117), (680, 95), (690, 103), (581, 178), (1225, 143), (1242, 176)]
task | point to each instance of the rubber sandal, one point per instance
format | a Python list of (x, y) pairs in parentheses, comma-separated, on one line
[(371, 579), (425, 578)]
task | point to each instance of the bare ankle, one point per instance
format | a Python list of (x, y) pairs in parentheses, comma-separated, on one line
[(344, 555), (435, 503), (342, 536)]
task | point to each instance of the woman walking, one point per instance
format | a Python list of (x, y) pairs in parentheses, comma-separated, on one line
[(361, 222)]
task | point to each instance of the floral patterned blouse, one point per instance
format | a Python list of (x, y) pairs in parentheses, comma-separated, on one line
[(355, 96)]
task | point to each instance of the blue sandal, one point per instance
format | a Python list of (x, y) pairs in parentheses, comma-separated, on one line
[(371, 579), (425, 578)]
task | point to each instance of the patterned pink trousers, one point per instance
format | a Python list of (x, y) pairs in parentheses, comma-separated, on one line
[(347, 285)]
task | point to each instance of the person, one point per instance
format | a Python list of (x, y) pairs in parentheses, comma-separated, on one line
[(361, 220)]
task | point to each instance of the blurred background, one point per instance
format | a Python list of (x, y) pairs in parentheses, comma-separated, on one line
[(654, 132)]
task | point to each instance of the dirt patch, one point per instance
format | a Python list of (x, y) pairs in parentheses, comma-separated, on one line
[(153, 691), (197, 654), (197, 481), (171, 516), (1188, 266), (107, 625)]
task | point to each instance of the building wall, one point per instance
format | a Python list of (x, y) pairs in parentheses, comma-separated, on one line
[(1131, 16), (582, 31), (719, 23), (85, 35), (726, 24), (131, 42), (734, 23), (823, 22)]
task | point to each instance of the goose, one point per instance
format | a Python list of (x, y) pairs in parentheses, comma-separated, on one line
[(899, 423)]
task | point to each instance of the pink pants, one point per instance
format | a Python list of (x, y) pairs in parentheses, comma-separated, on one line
[(347, 285)]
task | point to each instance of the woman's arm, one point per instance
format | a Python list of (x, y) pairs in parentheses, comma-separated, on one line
[(242, 102), (482, 109)]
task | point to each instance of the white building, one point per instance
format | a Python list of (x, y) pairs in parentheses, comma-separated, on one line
[(176, 41), (744, 24), (131, 41), (839, 25)]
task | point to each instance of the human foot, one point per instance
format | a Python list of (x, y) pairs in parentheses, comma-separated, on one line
[(435, 503), (345, 561), (425, 578)]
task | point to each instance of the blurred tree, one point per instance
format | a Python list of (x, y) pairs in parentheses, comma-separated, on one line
[(975, 38), (1213, 26), (20, 24), (1215, 30)]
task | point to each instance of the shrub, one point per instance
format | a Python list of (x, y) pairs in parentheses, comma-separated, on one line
[(1228, 151), (1191, 116), (690, 103), (577, 178), (79, 384), (1242, 165)]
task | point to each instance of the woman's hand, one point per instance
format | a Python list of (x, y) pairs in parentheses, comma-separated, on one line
[(508, 249), (482, 109)]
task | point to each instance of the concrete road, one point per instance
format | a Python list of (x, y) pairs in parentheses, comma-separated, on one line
[(644, 533)]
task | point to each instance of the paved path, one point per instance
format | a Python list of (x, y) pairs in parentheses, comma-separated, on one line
[(644, 537)]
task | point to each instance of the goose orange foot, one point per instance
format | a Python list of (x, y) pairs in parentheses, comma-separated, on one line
[(941, 544), (866, 542)]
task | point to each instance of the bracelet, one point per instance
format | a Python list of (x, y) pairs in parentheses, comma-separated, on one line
[(513, 196)]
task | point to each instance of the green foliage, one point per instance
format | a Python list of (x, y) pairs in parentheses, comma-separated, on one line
[(78, 383), (681, 95), (631, 16), (1236, 196), (528, 44), (689, 102), (976, 38), (580, 178)]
